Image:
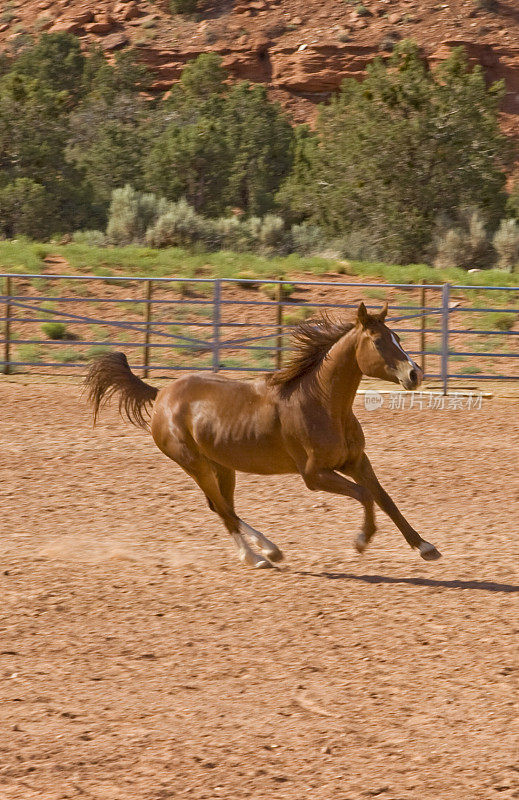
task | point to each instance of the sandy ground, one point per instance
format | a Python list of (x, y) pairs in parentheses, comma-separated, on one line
[(140, 661)]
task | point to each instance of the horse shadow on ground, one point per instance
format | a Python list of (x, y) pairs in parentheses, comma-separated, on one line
[(482, 586)]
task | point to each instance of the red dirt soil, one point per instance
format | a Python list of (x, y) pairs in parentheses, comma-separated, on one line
[(140, 661)]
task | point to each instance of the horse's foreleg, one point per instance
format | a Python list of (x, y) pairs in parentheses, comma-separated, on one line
[(206, 477), (267, 547), (227, 482), (363, 473), (327, 480)]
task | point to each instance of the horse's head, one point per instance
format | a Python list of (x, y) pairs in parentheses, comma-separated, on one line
[(380, 354)]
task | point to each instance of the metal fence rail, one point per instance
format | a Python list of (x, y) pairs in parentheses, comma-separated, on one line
[(216, 321)]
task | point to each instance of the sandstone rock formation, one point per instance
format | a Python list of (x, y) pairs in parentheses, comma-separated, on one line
[(301, 49)]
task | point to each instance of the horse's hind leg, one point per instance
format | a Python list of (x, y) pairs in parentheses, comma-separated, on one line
[(205, 475), (227, 482), (369, 527)]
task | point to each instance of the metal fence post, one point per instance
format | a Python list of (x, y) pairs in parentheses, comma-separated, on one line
[(7, 327), (216, 325), (423, 326), (446, 290), (147, 329), (279, 323)]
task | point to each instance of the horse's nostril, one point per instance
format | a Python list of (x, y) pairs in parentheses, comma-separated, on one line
[(413, 376)]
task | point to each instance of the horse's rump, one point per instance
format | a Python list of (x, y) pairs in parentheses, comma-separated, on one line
[(234, 423)]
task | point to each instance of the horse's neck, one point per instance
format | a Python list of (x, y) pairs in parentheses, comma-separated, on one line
[(339, 374)]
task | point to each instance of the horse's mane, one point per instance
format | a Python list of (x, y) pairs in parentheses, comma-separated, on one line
[(314, 339)]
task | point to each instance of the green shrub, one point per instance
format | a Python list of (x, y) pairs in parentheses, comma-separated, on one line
[(465, 244), (297, 315), (245, 279), (380, 142), (501, 321), (273, 235), (271, 290), (42, 22), (180, 225), (131, 214), (234, 234), (55, 330), (306, 239), (90, 238), (359, 244), (183, 6), (24, 209), (487, 5), (506, 244), (265, 234)]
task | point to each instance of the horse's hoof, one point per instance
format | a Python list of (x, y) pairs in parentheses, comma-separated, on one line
[(429, 552), (274, 555), (360, 543), (262, 563)]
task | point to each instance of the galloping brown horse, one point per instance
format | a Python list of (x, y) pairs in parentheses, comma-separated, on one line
[(297, 420)]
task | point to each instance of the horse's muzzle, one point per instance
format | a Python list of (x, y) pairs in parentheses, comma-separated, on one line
[(410, 376)]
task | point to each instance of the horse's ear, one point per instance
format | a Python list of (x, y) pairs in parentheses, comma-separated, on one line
[(362, 315), (383, 313)]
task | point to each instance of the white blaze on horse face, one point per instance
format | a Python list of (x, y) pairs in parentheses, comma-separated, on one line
[(399, 347), (407, 372)]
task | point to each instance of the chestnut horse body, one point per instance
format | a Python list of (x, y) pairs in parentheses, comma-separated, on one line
[(298, 420)]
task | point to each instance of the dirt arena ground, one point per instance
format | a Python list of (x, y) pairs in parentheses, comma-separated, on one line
[(140, 661)]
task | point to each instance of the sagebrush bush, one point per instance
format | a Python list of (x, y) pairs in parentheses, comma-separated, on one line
[(359, 244), (90, 238), (273, 236), (264, 234), (233, 234), (131, 214), (179, 226), (506, 244), (463, 244), (306, 239), (451, 249)]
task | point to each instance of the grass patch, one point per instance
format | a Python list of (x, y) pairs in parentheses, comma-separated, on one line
[(134, 308), (29, 352), (471, 370), (97, 350), (501, 321), (376, 294), (68, 355), (297, 315), (21, 255)]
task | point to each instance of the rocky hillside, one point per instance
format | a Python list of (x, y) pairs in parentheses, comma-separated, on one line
[(302, 49)]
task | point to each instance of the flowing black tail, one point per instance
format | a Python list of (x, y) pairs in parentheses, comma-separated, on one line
[(109, 375)]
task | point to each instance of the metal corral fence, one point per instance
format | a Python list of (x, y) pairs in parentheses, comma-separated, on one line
[(59, 322)]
